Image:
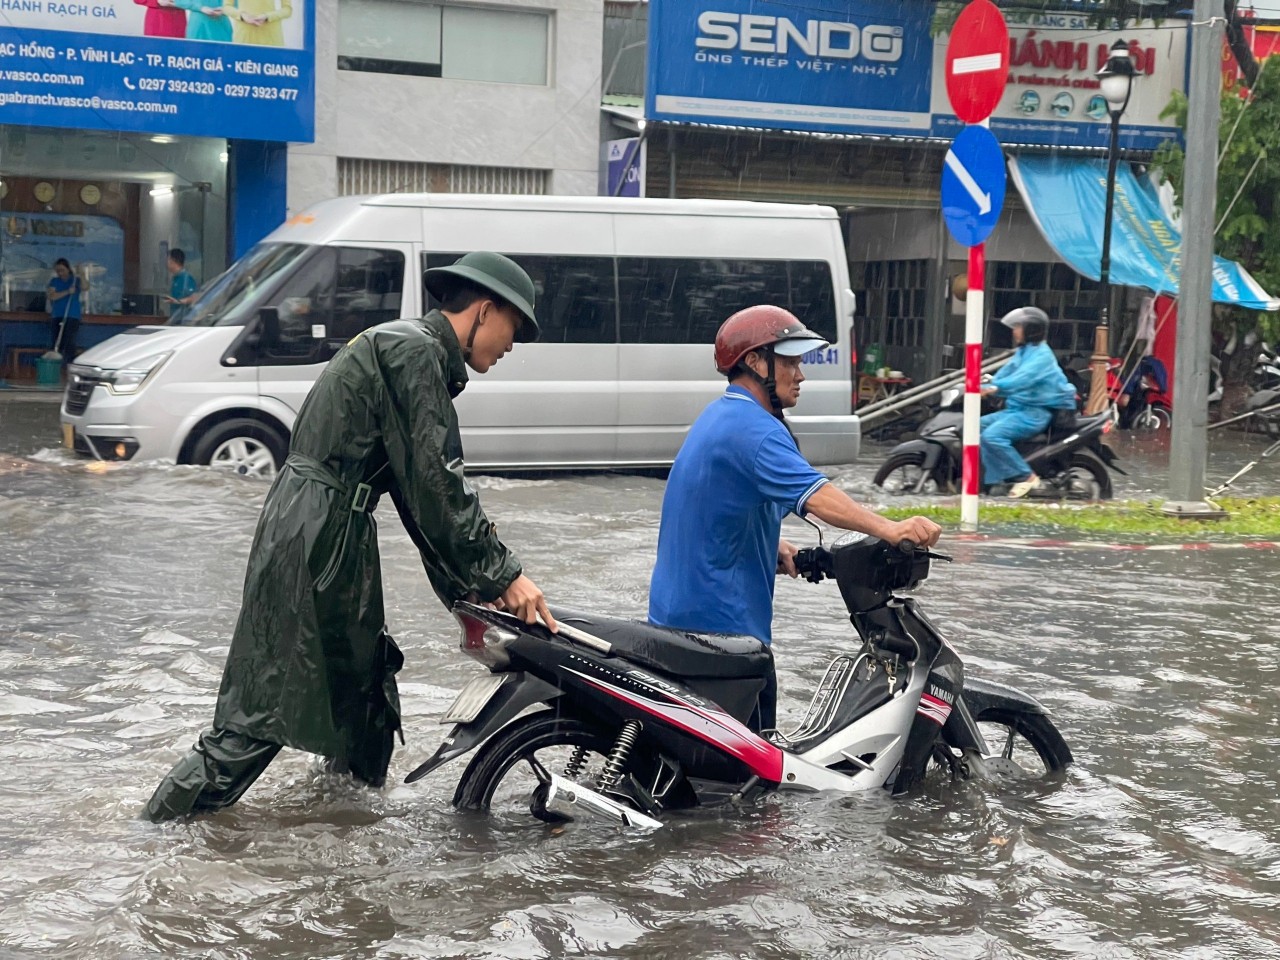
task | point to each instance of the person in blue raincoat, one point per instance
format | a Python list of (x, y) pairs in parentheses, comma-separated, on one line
[(1032, 386)]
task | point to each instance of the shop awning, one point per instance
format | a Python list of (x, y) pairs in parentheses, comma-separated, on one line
[(1067, 199)]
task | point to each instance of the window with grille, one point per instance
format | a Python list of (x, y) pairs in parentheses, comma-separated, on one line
[(1070, 300), (357, 176), (892, 306)]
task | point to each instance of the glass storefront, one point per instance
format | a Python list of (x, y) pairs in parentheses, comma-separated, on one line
[(115, 206)]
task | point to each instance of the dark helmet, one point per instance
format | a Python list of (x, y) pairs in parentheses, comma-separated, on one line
[(497, 274), (1033, 321), (762, 326)]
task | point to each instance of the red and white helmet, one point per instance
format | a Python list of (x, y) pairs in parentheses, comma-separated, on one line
[(762, 326)]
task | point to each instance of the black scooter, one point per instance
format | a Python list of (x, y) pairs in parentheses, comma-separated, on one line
[(1070, 458)]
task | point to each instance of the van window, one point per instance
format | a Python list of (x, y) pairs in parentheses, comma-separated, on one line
[(664, 299), (342, 290), (370, 285), (574, 297), (232, 298), (685, 300)]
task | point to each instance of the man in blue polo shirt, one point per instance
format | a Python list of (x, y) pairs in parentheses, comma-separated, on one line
[(182, 286), (737, 475)]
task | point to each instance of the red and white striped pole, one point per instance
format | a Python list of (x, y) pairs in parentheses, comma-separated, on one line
[(971, 476)]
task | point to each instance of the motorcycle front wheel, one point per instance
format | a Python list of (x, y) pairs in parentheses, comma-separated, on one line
[(1023, 745), (902, 473), (1153, 420)]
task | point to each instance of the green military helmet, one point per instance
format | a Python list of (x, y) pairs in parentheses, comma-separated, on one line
[(497, 274)]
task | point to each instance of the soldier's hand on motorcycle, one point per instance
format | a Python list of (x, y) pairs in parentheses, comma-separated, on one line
[(922, 531), (525, 600)]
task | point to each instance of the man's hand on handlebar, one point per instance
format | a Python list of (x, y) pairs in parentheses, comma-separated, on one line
[(787, 558), (921, 531), (525, 600)]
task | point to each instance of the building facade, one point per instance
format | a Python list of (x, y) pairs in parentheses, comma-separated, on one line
[(471, 98)]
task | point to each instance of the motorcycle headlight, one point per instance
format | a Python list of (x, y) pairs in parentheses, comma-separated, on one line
[(132, 378)]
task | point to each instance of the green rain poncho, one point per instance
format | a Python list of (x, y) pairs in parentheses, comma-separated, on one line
[(311, 665)]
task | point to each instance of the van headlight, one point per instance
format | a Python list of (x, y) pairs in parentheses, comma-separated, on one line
[(132, 378)]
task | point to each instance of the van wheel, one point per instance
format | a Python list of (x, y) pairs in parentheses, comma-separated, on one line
[(250, 448)]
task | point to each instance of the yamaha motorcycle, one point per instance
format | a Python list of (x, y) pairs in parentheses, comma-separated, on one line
[(1070, 458), (632, 721)]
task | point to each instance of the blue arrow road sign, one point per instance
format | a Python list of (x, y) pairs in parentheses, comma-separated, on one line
[(973, 181)]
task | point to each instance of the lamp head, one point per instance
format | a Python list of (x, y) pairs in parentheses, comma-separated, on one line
[(1116, 77)]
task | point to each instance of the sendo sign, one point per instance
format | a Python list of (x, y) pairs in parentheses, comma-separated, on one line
[(826, 66)]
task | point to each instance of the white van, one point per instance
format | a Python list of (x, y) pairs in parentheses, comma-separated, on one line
[(630, 295)]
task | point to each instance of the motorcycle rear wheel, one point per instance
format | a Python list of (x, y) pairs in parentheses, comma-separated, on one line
[(505, 774), (1088, 477), (1026, 745), (901, 473)]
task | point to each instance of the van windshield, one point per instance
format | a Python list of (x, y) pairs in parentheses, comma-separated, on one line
[(230, 300)]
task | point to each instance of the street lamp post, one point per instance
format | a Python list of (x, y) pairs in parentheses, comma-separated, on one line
[(1116, 81)]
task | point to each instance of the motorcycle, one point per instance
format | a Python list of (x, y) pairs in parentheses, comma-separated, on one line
[(1069, 458), (634, 721), (1141, 401), (1262, 405)]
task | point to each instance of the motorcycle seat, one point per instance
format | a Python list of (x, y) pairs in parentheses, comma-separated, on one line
[(676, 652), (1063, 425)]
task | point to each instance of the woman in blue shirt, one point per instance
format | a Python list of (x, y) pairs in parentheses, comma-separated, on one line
[(63, 295)]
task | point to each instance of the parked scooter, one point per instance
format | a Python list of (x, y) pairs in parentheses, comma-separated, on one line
[(1070, 458), (1263, 402), (636, 720), (1141, 401)]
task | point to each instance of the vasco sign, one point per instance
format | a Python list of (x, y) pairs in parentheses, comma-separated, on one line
[(132, 65), (860, 67)]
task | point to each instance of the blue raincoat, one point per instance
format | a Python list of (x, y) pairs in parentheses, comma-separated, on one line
[(1033, 386)]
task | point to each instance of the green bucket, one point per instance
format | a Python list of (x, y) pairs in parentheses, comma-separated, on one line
[(48, 373)]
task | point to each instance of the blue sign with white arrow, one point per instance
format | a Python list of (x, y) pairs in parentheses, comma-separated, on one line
[(973, 182)]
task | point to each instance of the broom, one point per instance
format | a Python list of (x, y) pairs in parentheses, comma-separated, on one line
[(66, 309)]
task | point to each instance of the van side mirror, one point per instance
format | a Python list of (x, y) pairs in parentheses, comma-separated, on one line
[(269, 322)]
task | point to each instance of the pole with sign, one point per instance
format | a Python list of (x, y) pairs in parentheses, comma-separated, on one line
[(973, 184)]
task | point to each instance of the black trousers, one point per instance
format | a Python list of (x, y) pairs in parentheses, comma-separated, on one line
[(68, 345)]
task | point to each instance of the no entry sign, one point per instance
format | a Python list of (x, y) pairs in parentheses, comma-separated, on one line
[(977, 61)]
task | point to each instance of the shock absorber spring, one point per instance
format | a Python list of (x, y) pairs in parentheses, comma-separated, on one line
[(573, 769), (619, 755)]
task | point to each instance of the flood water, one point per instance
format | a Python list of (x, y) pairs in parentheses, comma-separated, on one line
[(119, 589)]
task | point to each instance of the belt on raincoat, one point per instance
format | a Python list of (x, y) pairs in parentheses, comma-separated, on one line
[(309, 468), (361, 501)]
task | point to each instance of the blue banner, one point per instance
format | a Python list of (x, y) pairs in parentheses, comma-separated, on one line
[(1067, 199), (822, 65), (244, 72)]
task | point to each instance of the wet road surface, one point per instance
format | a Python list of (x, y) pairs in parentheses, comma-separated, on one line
[(119, 589)]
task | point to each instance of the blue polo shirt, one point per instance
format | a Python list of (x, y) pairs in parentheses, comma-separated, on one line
[(182, 285), (737, 475)]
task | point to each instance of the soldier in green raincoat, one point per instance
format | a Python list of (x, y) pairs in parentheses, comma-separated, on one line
[(311, 665)]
